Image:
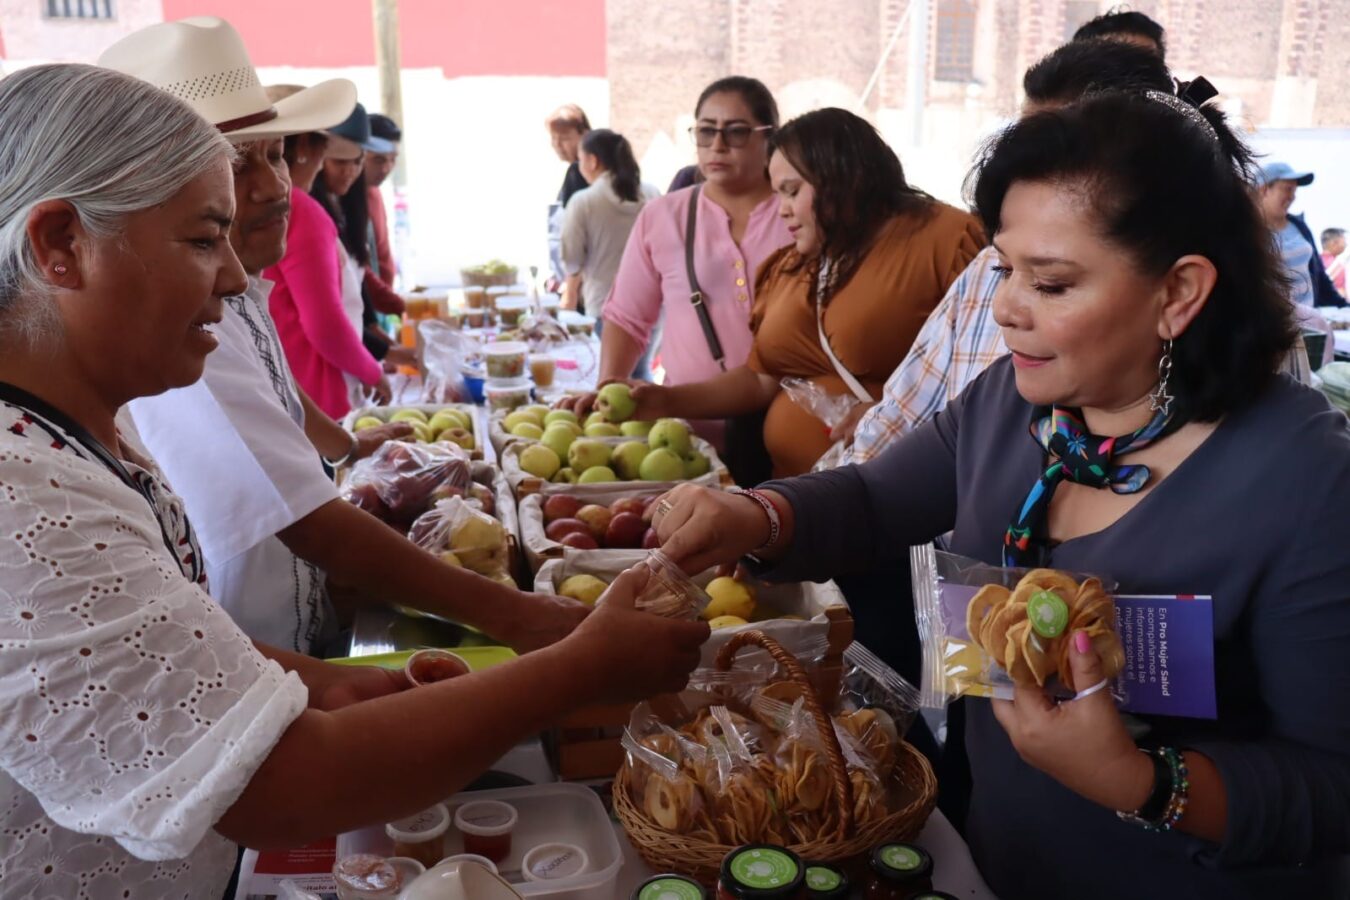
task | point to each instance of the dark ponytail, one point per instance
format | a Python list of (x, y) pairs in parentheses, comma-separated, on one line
[(616, 155)]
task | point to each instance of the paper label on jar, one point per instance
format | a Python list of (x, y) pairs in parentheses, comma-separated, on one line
[(1169, 653)]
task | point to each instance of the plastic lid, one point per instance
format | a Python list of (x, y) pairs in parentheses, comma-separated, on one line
[(1048, 613), (470, 858), (512, 301), (762, 870), (366, 872), (507, 384), (670, 887), (549, 862), (902, 862), (427, 825), (486, 818), (826, 881), (507, 348)]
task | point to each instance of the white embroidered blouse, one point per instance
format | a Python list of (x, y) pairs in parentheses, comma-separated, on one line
[(133, 712)]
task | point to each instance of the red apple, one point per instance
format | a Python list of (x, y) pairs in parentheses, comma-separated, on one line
[(597, 517), (628, 504), (625, 530), (650, 541), (561, 528), (580, 540), (561, 506)]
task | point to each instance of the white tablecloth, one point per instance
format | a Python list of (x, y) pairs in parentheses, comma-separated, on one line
[(953, 869)]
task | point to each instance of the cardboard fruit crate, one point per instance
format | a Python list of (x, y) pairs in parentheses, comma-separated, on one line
[(586, 743)]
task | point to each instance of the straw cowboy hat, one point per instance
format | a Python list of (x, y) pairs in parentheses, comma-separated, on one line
[(203, 62)]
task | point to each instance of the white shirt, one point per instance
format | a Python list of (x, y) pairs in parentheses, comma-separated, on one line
[(233, 447), (133, 711), (595, 230)]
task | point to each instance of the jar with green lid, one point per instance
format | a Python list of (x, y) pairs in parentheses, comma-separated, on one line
[(826, 882), (670, 887), (899, 872), (762, 872)]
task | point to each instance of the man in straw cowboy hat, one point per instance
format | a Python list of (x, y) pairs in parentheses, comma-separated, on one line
[(240, 444)]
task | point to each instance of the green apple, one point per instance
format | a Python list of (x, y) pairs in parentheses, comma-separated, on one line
[(602, 429), (558, 438), (536, 409), (662, 464), (365, 422), (540, 461), (462, 418), (696, 465), (457, 435), (587, 453), (560, 415), (627, 459), (594, 418), (671, 434), (519, 416), (565, 475), (442, 422), (616, 402), (528, 430), (423, 431), (597, 475), (635, 428), (409, 415)]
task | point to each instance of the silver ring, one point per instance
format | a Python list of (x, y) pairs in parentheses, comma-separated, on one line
[(663, 507), (1090, 691)]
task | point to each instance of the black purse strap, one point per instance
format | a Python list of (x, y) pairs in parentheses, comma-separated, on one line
[(695, 292), (17, 396)]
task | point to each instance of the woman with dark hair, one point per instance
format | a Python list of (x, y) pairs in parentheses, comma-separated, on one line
[(316, 301), (1145, 313), (600, 218), (722, 229), (871, 257)]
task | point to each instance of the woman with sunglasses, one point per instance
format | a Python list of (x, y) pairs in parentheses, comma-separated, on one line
[(734, 229)]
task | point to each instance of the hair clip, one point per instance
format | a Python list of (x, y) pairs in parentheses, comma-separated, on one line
[(1198, 92), (1184, 108)]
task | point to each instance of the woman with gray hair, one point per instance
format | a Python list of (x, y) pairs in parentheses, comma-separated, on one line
[(140, 730)]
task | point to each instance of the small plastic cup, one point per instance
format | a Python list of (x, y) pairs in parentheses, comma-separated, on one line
[(669, 592), (506, 359), (431, 666), (511, 309), (409, 869), (476, 318), (504, 396), (542, 369), (487, 826), (421, 837), (367, 877), (475, 297), (471, 858), (554, 861), (551, 305)]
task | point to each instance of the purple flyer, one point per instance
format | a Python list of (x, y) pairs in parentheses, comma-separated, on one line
[(1169, 652)]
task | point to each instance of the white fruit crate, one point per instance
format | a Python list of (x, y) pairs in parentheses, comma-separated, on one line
[(524, 484), (477, 419)]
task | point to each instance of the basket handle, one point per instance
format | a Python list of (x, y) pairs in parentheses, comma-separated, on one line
[(834, 756)]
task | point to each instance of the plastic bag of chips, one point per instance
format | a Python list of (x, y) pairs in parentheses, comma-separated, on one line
[(985, 629)]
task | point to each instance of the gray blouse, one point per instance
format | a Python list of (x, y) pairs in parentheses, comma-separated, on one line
[(1258, 517)]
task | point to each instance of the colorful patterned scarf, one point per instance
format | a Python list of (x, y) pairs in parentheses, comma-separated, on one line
[(1080, 457)]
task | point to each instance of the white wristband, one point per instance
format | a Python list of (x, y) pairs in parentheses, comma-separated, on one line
[(775, 522)]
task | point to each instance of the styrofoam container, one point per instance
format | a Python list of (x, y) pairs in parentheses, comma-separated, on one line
[(549, 814)]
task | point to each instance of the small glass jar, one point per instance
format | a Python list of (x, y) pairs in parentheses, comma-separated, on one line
[(366, 877), (670, 887), (487, 826), (669, 592), (899, 872), (421, 837), (826, 882), (762, 872)]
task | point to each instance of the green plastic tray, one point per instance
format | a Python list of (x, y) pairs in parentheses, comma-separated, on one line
[(478, 658)]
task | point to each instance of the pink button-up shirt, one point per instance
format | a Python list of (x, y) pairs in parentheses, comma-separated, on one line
[(652, 277)]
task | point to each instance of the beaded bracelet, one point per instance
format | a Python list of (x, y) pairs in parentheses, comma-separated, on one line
[(1181, 790), (775, 521)]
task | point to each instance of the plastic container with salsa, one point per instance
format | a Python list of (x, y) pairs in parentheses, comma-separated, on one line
[(487, 826), (473, 858), (507, 395), (421, 837), (506, 359), (431, 666), (511, 308), (554, 861)]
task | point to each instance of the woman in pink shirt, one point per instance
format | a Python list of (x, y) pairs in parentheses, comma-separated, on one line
[(307, 300), (737, 228)]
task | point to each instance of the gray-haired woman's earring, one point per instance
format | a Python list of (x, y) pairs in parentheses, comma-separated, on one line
[(59, 269), (301, 160), (1161, 399)]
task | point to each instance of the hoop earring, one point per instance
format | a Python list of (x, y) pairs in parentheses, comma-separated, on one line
[(1161, 399)]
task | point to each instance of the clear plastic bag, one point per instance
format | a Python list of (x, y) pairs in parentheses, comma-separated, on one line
[(832, 409), (400, 481), (445, 352), (462, 534), (967, 611)]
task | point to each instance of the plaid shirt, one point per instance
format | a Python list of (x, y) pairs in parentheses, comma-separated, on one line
[(958, 342)]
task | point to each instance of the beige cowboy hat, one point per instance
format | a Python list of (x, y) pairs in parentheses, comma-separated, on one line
[(203, 62)]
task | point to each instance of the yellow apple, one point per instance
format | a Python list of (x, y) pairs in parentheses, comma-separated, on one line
[(729, 598), (584, 588), (727, 622)]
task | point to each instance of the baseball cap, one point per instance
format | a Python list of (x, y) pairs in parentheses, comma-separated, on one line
[(1282, 171), (384, 134)]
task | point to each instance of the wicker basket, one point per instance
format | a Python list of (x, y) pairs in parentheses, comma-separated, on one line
[(914, 782)]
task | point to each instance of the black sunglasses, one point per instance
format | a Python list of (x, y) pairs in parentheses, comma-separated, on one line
[(732, 135)]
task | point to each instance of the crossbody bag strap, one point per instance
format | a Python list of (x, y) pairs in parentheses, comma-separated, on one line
[(853, 383), (695, 292)]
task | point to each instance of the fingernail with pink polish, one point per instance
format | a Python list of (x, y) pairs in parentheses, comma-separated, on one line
[(1081, 642)]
